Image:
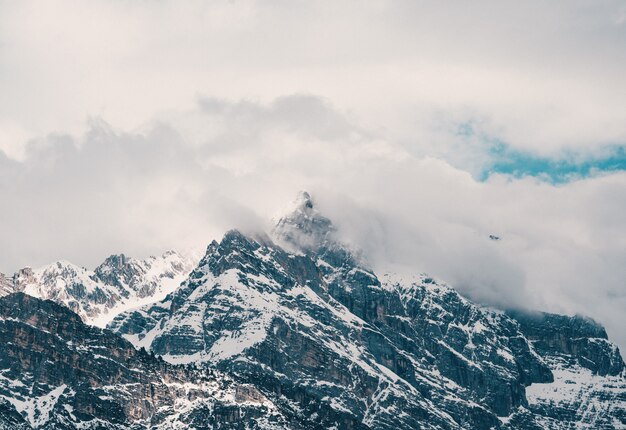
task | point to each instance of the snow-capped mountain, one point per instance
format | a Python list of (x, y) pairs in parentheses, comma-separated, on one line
[(293, 331), (6, 285), (329, 340), (59, 373), (119, 283)]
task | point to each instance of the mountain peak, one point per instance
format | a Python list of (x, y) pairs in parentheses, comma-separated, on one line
[(302, 226), (304, 200), (6, 284)]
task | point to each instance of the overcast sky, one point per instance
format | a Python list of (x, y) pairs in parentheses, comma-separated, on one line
[(420, 128)]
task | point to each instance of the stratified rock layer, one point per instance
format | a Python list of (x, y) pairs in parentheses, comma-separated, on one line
[(58, 373)]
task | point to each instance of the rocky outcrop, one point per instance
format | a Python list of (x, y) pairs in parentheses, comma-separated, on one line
[(294, 331), (6, 285), (119, 283), (59, 373), (579, 338), (589, 387), (10, 418)]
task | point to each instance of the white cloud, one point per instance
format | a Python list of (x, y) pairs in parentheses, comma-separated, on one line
[(202, 134), (540, 76), (186, 179)]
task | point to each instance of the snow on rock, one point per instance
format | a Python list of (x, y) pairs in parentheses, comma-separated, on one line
[(118, 284), (364, 348), (301, 226), (580, 397), (304, 335), (58, 373), (37, 410)]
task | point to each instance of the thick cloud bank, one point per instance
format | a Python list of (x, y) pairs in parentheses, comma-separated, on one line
[(544, 76), (421, 128), (187, 178)]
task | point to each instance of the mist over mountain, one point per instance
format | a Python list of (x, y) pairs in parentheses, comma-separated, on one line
[(312, 215), (290, 329)]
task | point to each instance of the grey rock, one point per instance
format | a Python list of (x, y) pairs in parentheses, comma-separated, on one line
[(313, 326), (578, 337), (118, 283), (294, 330), (59, 373)]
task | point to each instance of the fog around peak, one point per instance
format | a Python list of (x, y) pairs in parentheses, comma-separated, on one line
[(193, 119)]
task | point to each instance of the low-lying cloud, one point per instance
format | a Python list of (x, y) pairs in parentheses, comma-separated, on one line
[(415, 125), (189, 176)]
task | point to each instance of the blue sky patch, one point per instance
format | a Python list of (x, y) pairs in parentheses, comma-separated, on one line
[(564, 168), (558, 170)]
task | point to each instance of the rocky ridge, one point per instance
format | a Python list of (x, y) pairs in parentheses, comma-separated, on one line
[(119, 283), (292, 330), (59, 373), (306, 320)]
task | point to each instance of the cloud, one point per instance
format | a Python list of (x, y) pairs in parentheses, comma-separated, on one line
[(394, 65), (139, 126), (189, 176)]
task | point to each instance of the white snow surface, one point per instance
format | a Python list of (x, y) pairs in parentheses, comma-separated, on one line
[(98, 302), (37, 410), (576, 389)]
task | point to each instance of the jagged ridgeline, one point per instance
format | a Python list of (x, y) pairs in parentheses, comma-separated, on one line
[(292, 331)]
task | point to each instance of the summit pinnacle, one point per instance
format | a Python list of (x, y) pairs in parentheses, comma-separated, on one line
[(302, 227)]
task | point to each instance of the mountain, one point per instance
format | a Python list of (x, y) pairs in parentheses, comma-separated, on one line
[(119, 283), (6, 285), (301, 318), (292, 330), (589, 386), (59, 373)]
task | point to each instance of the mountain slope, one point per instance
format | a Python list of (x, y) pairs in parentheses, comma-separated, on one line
[(306, 321), (119, 283), (58, 373), (291, 331), (589, 388)]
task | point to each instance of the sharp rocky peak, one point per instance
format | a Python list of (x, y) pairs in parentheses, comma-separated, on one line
[(115, 261), (302, 227), (6, 284), (311, 339)]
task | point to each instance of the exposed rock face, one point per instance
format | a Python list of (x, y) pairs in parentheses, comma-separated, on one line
[(589, 389), (339, 344), (6, 285), (295, 332), (580, 338), (118, 283), (578, 398), (71, 285), (62, 374), (144, 278)]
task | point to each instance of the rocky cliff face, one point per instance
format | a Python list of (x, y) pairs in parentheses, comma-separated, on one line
[(58, 373), (118, 283), (306, 321), (6, 285), (293, 331), (580, 339), (589, 388)]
